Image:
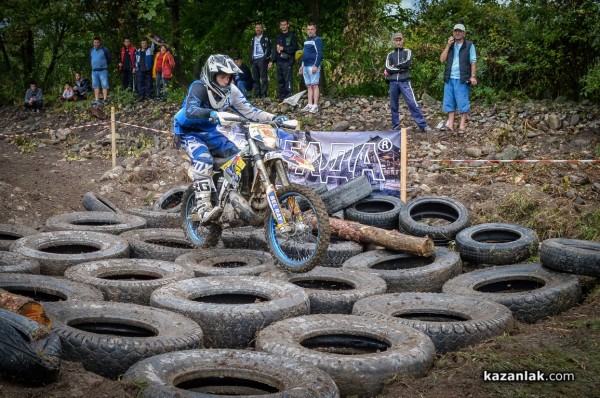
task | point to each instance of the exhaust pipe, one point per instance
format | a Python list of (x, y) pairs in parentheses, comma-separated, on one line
[(244, 210)]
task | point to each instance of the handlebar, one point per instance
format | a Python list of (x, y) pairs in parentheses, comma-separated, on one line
[(225, 117)]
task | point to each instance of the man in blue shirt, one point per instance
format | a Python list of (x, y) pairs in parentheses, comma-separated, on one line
[(459, 75), (100, 57), (311, 67)]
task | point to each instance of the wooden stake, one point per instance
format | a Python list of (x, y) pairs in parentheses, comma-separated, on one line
[(403, 164), (113, 136)]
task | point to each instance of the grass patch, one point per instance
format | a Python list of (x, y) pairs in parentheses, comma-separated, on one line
[(24, 144), (550, 218)]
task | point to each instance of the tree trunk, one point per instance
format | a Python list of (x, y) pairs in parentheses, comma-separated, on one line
[(24, 306), (176, 33)]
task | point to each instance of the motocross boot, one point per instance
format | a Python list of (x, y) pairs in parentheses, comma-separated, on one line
[(204, 206)]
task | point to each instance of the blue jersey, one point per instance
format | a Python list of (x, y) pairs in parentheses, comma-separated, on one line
[(313, 52)]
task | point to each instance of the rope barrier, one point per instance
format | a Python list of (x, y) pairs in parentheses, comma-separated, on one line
[(588, 161), (422, 160), (142, 127), (49, 130)]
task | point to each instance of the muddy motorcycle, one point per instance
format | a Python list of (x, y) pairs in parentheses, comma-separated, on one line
[(253, 188)]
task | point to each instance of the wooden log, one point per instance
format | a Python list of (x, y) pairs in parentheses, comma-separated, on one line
[(24, 306), (389, 239)]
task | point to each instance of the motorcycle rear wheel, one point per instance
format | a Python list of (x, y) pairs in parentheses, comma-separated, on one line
[(285, 246), (200, 236)]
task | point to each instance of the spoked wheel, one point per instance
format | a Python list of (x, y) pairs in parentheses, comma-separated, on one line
[(299, 246), (200, 236)]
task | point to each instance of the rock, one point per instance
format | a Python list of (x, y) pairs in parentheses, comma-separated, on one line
[(473, 152), (509, 153), (341, 126), (574, 120), (578, 179), (596, 187), (113, 173), (553, 121), (428, 100)]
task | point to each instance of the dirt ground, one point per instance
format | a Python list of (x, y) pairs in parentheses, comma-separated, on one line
[(35, 186)]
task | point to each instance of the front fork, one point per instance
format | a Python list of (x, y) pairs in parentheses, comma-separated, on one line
[(272, 199)]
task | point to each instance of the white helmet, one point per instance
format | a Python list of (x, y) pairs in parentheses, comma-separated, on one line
[(215, 64)]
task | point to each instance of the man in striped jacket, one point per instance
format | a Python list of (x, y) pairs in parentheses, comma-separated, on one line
[(397, 74)]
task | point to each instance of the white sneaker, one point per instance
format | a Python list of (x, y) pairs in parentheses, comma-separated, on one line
[(307, 108), (314, 109)]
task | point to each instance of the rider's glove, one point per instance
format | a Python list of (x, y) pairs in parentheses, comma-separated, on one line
[(280, 119), (214, 117)]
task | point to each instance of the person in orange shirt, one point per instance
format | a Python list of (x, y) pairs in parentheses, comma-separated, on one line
[(164, 62)]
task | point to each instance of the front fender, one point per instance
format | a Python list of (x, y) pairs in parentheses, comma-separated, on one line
[(290, 158)]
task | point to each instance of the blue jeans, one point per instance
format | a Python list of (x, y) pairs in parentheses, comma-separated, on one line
[(144, 84), (162, 84), (404, 88)]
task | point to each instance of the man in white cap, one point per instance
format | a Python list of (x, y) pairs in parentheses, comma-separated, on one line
[(459, 75)]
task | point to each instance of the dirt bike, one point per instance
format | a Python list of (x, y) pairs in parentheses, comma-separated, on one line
[(253, 188)]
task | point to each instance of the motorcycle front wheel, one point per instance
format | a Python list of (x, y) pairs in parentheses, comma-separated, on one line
[(299, 246), (200, 236)]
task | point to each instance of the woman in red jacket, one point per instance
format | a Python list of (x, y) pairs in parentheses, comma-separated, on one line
[(162, 71)]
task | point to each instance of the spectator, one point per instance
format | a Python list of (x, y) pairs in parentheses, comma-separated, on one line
[(284, 53), (459, 75), (144, 59), (34, 98), (163, 71), (260, 53), (100, 57), (81, 87), (312, 55), (126, 62), (397, 75), (68, 94), (243, 80)]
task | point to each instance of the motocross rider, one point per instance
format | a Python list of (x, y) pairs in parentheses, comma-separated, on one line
[(196, 126)]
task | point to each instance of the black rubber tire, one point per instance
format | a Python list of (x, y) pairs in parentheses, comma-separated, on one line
[(170, 201), (496, 243), (157, 219), (545, 293), (319, 189), (56, 251), (128, 280), (29, 352), (229, 373), (94, 202), (225, 323), (407, 273), (451, 321), (239, 238), (574, 256), (46, 289), (332, 290), (9, 233), (320, 223), (373, 351), (380, 211), (347, 194), (158, 243), (18, 264), (95, 221), (338, 251), (111, 337), (436, 207), (226, 262)]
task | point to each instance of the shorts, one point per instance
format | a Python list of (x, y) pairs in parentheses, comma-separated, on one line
[(310, 78), (456, 94), (100, 78)]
